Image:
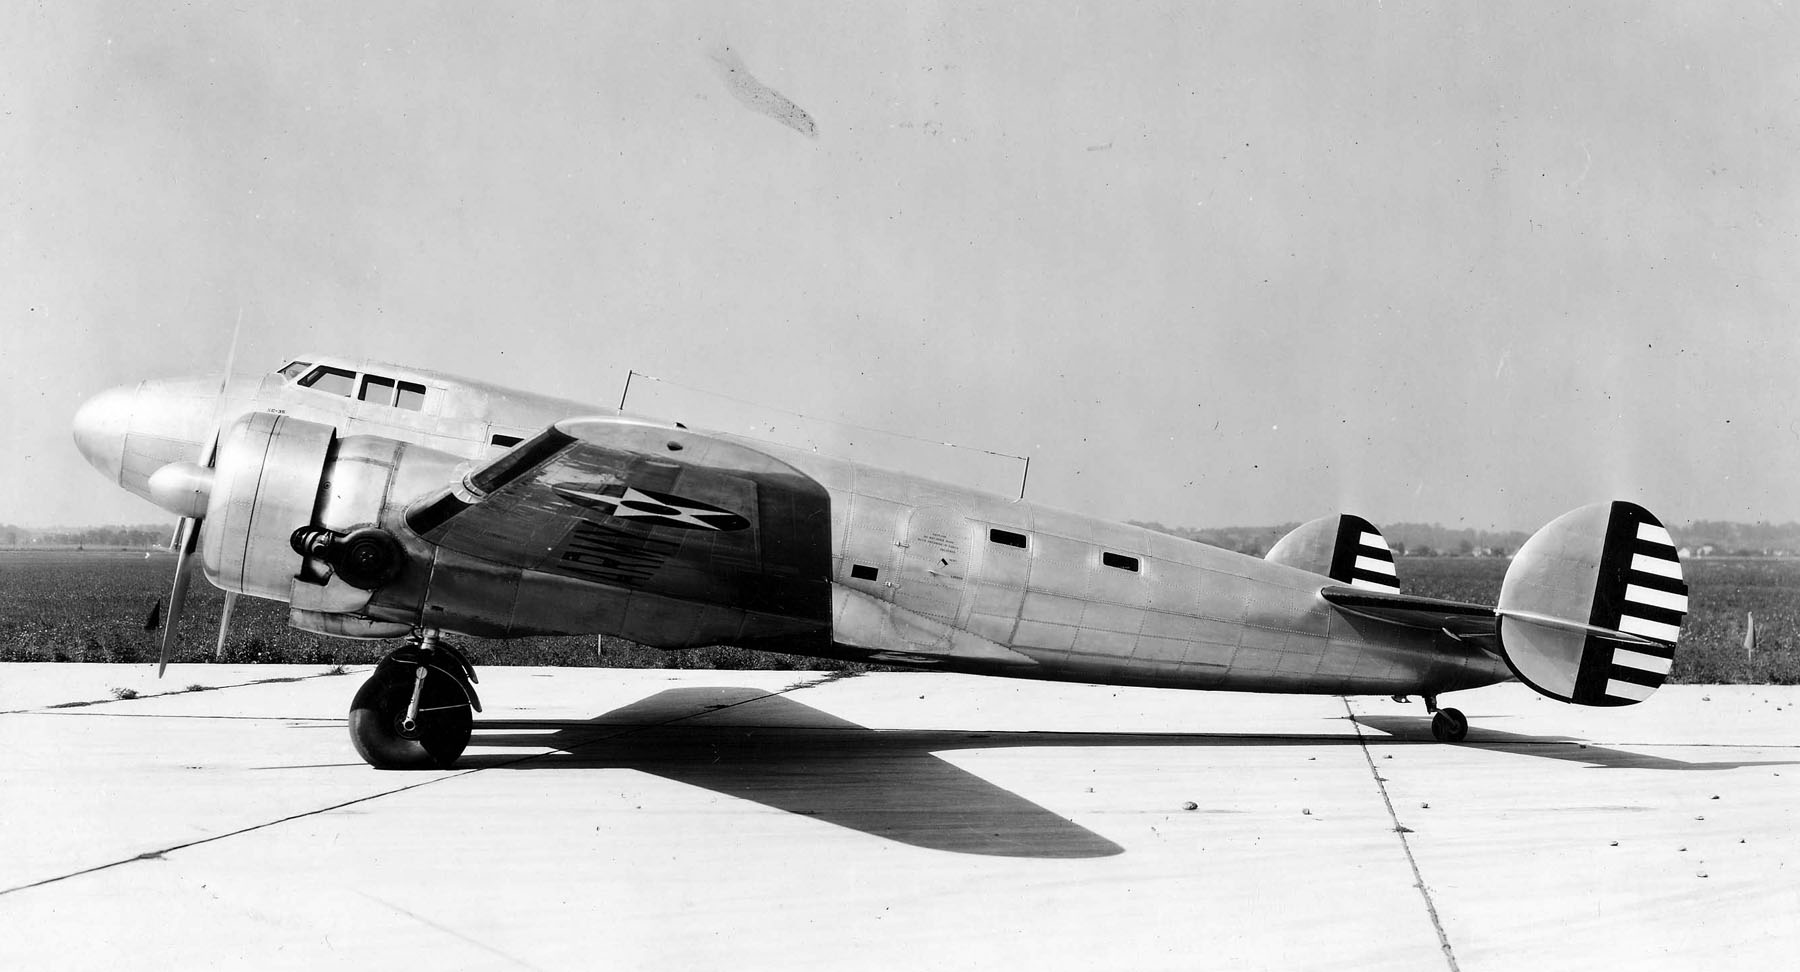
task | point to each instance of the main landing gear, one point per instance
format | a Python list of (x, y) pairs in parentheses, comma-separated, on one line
[(416, 710)]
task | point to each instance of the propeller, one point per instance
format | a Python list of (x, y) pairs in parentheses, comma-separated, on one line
[(185, 487), (190, 538), (225, 624)]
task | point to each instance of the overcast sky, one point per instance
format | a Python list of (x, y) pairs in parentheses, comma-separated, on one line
[(1206, 264)]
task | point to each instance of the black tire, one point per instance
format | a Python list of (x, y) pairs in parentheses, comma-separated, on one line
[(1449, 725), (378, 714)]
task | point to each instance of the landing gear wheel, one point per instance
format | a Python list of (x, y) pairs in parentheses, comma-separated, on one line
[(1449, 725), (389, 734)]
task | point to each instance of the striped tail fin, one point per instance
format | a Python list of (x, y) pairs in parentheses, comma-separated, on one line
[(1345, 548), (1591, 608)]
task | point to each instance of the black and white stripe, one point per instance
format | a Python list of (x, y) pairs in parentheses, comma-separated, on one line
[(1641, 593), (1361, 557)]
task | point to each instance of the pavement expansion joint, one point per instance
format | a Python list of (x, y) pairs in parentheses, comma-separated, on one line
[(177, 715), (153, 855), (1401, 831), (447, 930), (136, 697)]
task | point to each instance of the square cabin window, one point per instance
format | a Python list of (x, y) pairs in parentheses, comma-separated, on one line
[(1007, 538), (411, 397), (377, 390), (1120, 561)]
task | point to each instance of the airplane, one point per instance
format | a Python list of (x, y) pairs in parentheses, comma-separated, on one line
[(381, 501)]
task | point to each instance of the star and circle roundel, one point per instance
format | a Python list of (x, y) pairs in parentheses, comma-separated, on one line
[(650, 508)]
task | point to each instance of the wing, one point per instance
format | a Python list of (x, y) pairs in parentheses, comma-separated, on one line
[(647, 508)]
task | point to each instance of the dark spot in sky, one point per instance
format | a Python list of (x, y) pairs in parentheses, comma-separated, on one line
[(760, 97)]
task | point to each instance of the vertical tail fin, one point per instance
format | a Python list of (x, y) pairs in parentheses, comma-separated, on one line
[(1345, 548), (1591, 608)]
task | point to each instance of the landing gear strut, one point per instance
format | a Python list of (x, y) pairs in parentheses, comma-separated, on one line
[(1448, 725), (416, 710)]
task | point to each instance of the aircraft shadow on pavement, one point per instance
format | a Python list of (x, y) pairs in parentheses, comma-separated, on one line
[(793, 757), (767, 748), (1568, 748)]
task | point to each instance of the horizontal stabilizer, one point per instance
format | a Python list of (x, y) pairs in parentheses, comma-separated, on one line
[(1458, 618), (1591, 608), (1344, 547)]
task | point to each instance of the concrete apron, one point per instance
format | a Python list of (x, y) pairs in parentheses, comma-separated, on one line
[(793, 820)]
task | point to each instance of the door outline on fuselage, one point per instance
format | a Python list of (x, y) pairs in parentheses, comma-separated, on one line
[(932, 579)]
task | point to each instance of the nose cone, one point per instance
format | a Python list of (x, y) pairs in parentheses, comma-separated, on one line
[(130, 432), (101, 425)]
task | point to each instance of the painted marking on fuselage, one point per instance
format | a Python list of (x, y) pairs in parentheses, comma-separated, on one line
[(611, 556)]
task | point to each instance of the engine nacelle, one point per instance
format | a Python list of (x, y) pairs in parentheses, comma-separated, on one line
[(298, 514), (265, 486)]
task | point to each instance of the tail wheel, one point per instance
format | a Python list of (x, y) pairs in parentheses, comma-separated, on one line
[(389, 733), (1449, 725)]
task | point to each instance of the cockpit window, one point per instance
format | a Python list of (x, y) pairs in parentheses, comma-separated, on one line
[(293, 369), (377, 389), (333, 381), (371, 388)]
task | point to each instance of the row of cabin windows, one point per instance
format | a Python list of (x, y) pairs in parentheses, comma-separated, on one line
[(1008, 538), (371, 388)]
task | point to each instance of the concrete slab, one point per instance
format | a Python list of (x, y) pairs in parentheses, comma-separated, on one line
[(651, 819)]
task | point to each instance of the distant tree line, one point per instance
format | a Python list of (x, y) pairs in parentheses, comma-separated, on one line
[(139, 535), (1720, 537), (1406, 539), (1702, 537)]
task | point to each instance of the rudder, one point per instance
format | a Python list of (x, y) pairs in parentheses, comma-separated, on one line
[(1592, 605)]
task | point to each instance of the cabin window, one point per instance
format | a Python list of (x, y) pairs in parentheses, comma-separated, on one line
[(412, 397), (294, 369), (864, 572), (332, 381), (508, 441), (1007, 538), (377, 389), (1120, 561)]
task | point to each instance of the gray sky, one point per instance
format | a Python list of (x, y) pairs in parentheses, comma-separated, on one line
[(1206, 263)]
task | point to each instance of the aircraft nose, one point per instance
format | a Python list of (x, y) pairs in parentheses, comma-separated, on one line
[(101, 425)]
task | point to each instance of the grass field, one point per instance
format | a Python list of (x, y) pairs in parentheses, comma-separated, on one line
[(92, 605), (64, 605)]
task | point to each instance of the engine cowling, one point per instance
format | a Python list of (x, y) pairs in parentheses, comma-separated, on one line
[(298, 514), (265, 486)]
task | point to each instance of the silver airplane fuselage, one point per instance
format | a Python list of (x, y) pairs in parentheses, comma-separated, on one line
[(921, 573)]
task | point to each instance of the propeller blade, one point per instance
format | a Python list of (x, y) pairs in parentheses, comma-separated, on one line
[(230, 361), (190, 538), (154, 621), (224, 625)]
